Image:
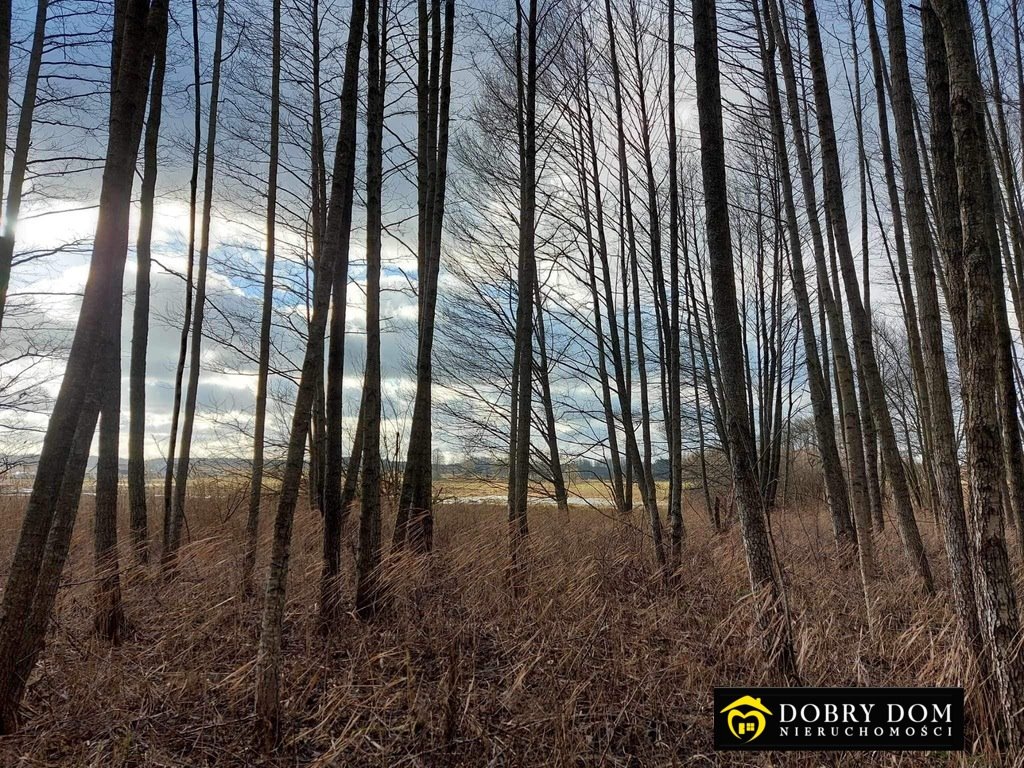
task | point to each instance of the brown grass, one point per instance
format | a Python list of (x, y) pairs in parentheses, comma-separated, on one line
[(599, 664)]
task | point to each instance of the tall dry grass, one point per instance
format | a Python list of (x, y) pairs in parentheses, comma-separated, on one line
[(599, 663)]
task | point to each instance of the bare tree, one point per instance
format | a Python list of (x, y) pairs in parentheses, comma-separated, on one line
[(368, 560), (969, 271), (849, 407), (519, 442), (836, 487), (861, 331), (942, 448), (914, 200), (765, 581), (199, 311), (45, 535), (414, 521), (675, 417), (334, 507), (140, 314), (268, 661), (641, 465), (23, 138), (186, 323), (266, 316)]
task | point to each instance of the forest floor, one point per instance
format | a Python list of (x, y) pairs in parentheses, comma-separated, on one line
[(599, 663)]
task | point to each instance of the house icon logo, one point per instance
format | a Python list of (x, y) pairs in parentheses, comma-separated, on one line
[(746, 718)]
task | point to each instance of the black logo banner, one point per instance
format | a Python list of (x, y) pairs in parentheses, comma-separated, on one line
[(839, 718)]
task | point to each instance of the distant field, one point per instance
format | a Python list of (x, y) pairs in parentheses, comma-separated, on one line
[(579, 490), (447, 488)]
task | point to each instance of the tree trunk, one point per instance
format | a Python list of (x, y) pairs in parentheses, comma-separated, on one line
[(268, 660), (772, 618), (1013, 453), (320, 434), (519, 476), (186, 323), (414, 522), (832, 467), (46, 530), (874, 489), (252, 522), (109, 619), (140, 317), (849, 410), (911, 321), (944, 460), (615, 345), (675, 502), (868, 366), (333, 507), (614, 456), (199, 313), (368, 594), (641, 464), (663, 317), (969, 271), (701, 455), (550, 427)]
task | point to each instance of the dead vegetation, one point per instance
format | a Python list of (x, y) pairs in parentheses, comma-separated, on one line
[(599, 664)]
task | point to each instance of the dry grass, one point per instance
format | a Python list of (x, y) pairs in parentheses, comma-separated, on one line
[(599, 664)]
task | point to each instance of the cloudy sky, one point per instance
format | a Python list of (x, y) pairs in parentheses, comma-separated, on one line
[(59, 216)]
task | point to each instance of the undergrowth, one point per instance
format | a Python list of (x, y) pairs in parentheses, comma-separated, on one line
[(599, 663)]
